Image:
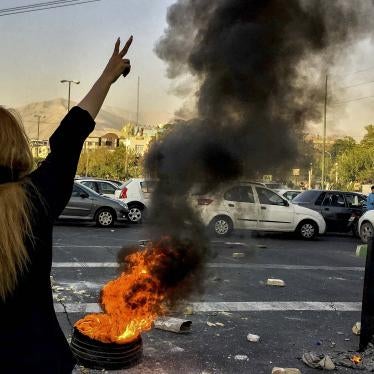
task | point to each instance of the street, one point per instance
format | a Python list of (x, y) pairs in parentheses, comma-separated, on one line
[(314, 312)]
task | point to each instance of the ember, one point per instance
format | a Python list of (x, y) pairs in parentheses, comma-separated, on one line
[(356, 359)]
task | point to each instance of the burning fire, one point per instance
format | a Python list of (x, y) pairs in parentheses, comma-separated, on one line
[(131, 302), (356, 359)]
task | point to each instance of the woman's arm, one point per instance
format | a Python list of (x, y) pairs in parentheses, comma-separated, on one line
[(116, 66)]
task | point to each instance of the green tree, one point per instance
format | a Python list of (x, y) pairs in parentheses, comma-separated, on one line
[(117, 163), (368, 139), (341, 146)]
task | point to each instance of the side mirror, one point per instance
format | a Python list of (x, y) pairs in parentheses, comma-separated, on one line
[(84, 195), (286, 203)]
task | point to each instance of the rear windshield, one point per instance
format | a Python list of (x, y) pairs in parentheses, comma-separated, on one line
[(306, 197)]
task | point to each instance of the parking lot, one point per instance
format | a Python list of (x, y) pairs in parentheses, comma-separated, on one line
[(314, 312)]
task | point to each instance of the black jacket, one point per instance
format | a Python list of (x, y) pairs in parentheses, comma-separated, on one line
[(31, 340)]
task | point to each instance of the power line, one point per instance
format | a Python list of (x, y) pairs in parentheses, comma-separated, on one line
[(36, 5), (355, 85), (356, 99), (77, 2)]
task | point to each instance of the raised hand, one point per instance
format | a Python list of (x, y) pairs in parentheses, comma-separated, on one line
[(117, 64)]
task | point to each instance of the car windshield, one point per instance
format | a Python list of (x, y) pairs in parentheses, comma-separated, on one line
[(306, 197)]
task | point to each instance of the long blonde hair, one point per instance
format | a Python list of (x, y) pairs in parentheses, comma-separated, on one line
[(15, 206)]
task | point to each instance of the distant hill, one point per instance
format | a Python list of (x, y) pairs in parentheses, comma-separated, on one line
[(110, 119)]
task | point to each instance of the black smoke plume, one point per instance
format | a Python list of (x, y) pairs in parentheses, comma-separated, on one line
[(252, 61)]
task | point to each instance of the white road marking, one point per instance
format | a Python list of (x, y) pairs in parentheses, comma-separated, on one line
[(83, 264), (251, 306)]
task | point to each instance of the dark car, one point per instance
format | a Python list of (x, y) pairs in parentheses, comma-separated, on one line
[(339, 209), (87, 205)]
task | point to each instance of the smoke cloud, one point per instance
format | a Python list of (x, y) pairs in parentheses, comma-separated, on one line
[(253, 61)]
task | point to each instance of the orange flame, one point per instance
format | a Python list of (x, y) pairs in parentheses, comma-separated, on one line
[(356, 359), (130, 303)]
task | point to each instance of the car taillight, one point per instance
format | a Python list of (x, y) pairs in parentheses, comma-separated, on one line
[(204, 201), (123, 194)]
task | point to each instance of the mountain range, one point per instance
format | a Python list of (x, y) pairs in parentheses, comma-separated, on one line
[(110, 119)]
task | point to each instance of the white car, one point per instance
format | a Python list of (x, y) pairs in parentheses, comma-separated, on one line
[(366, 226), (136, 193), (248, 205), (289, 194)]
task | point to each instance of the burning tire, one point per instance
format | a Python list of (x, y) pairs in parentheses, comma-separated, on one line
[(105, 217), (221, 226), (135, 214), (307, 230), (366, 231)]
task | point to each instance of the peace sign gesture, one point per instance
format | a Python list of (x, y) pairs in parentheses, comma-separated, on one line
[(118, 65)]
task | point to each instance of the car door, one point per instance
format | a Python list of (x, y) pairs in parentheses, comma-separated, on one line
[(275, 213), (91, 185), (240, 202), (335, 212), (106, 189), (79, 205)]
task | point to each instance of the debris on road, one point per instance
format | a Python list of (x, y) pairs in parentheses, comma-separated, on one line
[(172, 324), (356, 329), (277, 370), (241, 358), (238, 254), (363, 361), (253, 338), (188, 310), (275, 282), (318, 361), (220, 324), (210, 324), (362, 250)]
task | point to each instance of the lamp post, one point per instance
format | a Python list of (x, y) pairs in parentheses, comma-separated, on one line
[(69, 82), (38, 116), (127, 144)]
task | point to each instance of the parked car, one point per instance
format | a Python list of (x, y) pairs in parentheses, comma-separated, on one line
[(288, 194), (136, 192), (87, 205), (366, 226), (248, 205), (338, 208), (100, 186)]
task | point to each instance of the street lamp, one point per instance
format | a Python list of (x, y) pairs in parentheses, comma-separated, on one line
[(127, 144), (38, 116), (69, 82)]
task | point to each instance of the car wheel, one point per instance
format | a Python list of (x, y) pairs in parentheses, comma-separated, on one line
[(307, 230), (105, 218), (366, 231), (135, 214), (221, 226)]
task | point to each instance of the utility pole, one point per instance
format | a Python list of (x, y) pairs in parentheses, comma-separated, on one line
[(38, 116), (69, 83), (137, 104), (324, 139)]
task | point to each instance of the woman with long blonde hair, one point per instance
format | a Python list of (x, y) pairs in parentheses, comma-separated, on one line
[(31, 340)]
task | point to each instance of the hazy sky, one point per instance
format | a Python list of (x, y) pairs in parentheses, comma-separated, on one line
[(39, 49)]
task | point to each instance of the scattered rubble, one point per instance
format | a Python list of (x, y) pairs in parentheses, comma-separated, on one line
[(241, 358), (318, 361), (253, 338), (361, 250), (277, 370), (356, 329), (172, 324), (238, 254), (275, 282)]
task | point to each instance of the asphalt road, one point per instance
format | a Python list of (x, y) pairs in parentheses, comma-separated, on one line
[(314, 312)]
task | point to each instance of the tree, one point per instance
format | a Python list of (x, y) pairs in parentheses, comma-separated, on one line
[(341, 146), (119, 163), (368, 139)]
